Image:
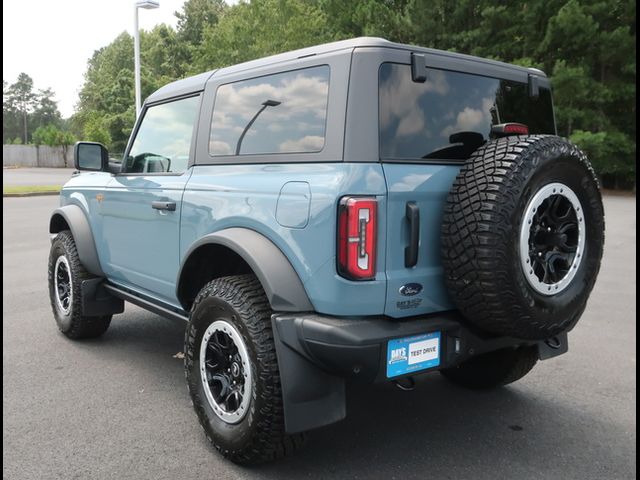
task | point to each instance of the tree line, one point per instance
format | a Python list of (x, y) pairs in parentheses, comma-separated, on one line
[(587, 47), (31, 116)]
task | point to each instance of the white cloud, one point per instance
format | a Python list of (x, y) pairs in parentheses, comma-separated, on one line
[(275, 127), (310, 143), (399, 93), (410, 182), (300, 93), (217, 147), (303, 107), (471, 119), (412, 123)]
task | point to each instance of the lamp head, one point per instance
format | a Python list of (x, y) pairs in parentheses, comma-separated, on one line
[(147, 4)]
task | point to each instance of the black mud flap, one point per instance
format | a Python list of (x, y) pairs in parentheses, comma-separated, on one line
[(97, 301), (554, 346), (312, 398)]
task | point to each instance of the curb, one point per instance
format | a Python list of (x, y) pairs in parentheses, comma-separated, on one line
[(30, 194)]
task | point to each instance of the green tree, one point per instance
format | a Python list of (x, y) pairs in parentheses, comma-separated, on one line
[(388, 18), (10, 120), (45, 111), (54, 137), (23, 109), (23, 101), (262, 27), (107, 95), (589, 46), (608, 152), (195, 16), (108, 89), (95, 130)]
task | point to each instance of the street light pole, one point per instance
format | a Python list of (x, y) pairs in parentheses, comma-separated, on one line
[(136, 57), (146, 4), (265, 104)]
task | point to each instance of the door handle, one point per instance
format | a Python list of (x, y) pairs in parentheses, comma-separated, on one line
[(170, 206), (412, 212)]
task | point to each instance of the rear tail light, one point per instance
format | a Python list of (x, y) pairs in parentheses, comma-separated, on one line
[(357, 237), (505, 129)]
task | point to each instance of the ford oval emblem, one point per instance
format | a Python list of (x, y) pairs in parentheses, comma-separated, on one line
[(410, 289)]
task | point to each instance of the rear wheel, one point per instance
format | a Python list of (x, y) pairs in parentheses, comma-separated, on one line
[(66, 274), (493, 369), (232, 371)]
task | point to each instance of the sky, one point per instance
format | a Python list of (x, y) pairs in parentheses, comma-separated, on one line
[(52, 40)]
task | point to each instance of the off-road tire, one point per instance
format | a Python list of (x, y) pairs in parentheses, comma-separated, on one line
[(73, 324), (481, 230), (493, 369), (260, 436)]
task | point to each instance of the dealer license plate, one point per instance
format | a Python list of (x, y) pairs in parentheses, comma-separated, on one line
[(412, 354)]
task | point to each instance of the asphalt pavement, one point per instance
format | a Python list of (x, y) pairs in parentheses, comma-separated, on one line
[(36, 176), (117, 407)]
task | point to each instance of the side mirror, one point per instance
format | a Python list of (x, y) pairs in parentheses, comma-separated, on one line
[(91, 156)]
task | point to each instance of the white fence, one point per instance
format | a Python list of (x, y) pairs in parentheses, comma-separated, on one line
[(33, 156)]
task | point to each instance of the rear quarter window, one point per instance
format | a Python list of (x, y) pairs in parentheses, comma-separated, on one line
[(451, 114), (280, 113)]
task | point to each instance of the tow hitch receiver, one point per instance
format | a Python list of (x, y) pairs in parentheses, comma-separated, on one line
[(554, 346)]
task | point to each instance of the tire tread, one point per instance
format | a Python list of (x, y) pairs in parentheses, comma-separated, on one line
[(479, 223), (245, 295), (81, 326)]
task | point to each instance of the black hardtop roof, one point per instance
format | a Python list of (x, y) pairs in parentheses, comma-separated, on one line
[(197, 82)]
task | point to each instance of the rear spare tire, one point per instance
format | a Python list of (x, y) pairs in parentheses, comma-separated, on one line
[(522, 236)]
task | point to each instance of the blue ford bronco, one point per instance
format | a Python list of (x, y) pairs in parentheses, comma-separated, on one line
[(361, 211)]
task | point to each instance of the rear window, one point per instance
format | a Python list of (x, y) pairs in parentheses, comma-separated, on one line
[(280, 113), (451, 114)]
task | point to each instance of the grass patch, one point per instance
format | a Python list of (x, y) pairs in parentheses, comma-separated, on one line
[(24, 189)]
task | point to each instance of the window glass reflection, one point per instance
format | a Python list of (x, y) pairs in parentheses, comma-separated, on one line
[(281, 113), (163, 141), (451, 114)]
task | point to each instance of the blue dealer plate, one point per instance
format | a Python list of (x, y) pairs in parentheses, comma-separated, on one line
[(412, 354)]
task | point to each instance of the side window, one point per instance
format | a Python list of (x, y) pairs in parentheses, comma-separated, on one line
[(163, 140), (281, 113)]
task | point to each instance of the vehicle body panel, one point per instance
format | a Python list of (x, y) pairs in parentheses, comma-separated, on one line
[(139, 244), (85, 190), (225, 196), (427, 186)]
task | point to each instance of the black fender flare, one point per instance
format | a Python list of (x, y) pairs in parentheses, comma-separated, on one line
[(281, 283), (75, 218)]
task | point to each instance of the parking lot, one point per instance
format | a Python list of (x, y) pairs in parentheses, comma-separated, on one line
[(117, 407), (36, 176)]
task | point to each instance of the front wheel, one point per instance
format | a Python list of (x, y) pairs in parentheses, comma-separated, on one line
[(232, 371), (66, 274)]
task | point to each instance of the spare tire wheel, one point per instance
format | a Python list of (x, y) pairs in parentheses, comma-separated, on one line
[(522, 236)]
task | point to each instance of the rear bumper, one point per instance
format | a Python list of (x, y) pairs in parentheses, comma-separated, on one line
[(316, 354)]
